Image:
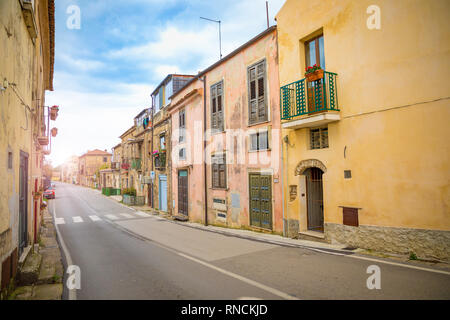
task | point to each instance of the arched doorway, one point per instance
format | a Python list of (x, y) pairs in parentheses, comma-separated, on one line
[(314, 198)]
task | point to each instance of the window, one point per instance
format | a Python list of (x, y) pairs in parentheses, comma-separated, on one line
[(257, 93), (319, 138), (10, 160), (169, 92), (219, 171), (162, 142), (259, 141), (315, 52), (182, 154), (105, 159), (217, 106), (182, 125)]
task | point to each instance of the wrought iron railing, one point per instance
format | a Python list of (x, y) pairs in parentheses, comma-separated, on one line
[(303, 98)]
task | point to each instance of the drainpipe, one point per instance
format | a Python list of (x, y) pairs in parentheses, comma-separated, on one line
[(282, 185), (151, 151), (204, 150)]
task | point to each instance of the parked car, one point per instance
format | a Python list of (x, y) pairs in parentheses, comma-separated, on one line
[(49, 194)]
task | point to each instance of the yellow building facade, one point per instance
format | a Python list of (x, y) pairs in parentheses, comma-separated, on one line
[(365, 148), (89, 165), (26, 72)]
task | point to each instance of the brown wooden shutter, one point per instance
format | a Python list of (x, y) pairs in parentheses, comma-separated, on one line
[(350, 216)]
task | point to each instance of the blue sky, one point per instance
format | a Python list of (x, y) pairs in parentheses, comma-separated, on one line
[(106, 70)]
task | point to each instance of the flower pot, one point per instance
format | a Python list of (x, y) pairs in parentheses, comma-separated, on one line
[(54, 132), (54, 112), (314, 76)]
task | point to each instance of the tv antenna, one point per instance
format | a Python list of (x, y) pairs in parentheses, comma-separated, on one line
[(220, 34)]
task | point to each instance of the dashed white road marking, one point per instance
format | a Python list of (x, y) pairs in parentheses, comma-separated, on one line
[(95, 218), (126, 215), (111, 216), (59, 221), (142, 214), (77, 219)]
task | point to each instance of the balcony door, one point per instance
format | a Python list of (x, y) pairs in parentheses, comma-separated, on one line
[(315, 54)]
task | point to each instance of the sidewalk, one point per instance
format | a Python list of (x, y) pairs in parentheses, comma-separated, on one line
[(40, 277)]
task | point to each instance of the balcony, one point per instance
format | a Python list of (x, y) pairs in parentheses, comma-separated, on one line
[(136, 164), (160, 160), (125, 166), (115, 165), (310, 104), (43, 140)]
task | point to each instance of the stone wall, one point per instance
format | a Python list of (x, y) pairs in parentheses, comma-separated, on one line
[(424, 243)]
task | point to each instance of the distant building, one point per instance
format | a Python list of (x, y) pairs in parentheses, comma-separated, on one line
[(90, 164)]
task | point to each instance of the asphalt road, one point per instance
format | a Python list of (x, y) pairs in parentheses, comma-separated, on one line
[(124, 254)]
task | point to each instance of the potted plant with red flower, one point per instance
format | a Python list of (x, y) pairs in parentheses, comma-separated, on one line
[(313, 73), (54, 112)]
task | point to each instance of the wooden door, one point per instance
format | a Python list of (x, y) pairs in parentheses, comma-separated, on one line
[(183, 192), (260, 200), (314, 193), (23, 201)]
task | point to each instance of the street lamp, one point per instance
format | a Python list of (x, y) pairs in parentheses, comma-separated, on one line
[(220, 34)]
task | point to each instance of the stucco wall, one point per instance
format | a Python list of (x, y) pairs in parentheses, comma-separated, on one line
[(393, 96)]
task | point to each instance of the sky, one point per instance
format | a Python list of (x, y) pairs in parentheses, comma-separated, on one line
[(106, 70)]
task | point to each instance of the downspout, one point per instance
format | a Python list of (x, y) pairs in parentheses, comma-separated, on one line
[(151, 151), (282, 184), (204, 151)]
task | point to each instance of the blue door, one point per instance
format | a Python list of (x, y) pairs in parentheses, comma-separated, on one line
[(163, 193)]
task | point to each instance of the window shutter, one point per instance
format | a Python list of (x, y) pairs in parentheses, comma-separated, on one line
[(315, 139), (262, 114), (217, 106), (219, 114), (263, 140), (252, 95), (324, 138), (257, 93)]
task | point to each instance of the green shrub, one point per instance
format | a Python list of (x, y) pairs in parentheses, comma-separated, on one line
[(129, 191), (412, 256)]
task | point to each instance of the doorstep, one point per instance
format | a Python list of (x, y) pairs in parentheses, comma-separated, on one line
[(312, 236)]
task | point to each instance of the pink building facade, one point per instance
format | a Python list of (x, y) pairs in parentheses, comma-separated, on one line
[(233, 163)]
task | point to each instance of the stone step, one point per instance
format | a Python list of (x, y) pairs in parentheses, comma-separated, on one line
[(29, 272), (312, 236)]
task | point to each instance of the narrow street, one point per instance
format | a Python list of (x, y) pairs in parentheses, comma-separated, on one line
[(127, 254)]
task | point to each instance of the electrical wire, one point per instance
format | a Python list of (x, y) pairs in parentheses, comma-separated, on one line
[(13, 86)]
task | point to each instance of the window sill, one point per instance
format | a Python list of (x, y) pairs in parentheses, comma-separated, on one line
[(222, 189), (217, 132), (262, 150), (257, 123)]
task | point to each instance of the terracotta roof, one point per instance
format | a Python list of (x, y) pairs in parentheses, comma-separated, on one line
[(96, 152)]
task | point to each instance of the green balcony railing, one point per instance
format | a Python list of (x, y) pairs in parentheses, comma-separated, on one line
[(304, 98), (136, 164)]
